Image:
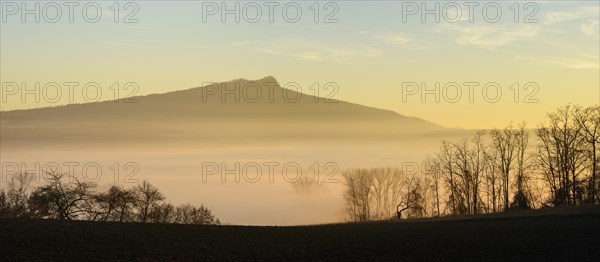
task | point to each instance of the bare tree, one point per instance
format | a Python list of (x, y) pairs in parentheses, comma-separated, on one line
[(372, 194), (163, 213), (147, 198), (66, 197), (357, 194), (464, 172), (308, 185), (562, 157), (415, 198), (380, 187), (493, 185), (547, 164), (503, 141), (446, 160), (588, 120), (13, 201), (432, 168), (386, 190), (188, 214), (115, 204), (477, 163), (62, 199), (521, 137), (412, 200), (468, 165)]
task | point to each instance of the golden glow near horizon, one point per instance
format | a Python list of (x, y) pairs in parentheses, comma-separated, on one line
[(390, 55)]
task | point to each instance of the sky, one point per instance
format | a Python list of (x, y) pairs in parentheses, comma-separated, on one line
[(478, 69)]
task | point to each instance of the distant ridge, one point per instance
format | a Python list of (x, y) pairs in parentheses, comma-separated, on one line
[(225, 111)]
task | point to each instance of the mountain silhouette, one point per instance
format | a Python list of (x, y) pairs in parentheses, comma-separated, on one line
[(235, 111)]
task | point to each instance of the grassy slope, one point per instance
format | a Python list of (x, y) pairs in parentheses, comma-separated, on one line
[(567, 234)]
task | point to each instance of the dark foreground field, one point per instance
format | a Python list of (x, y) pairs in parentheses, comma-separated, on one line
[(567, 235)]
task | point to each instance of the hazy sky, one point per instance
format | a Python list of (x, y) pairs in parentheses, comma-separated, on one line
[(369, 52)]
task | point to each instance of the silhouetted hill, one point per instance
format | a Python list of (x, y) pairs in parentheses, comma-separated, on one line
[(262, 111)]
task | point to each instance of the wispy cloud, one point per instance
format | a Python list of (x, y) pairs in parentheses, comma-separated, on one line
[(590, 28), (404, 41), (489, 36), (399, 39), (584, 12), (318, 51), (582, 62)]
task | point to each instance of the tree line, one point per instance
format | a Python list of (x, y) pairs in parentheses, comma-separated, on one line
[(68, 198), (493, 171)]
